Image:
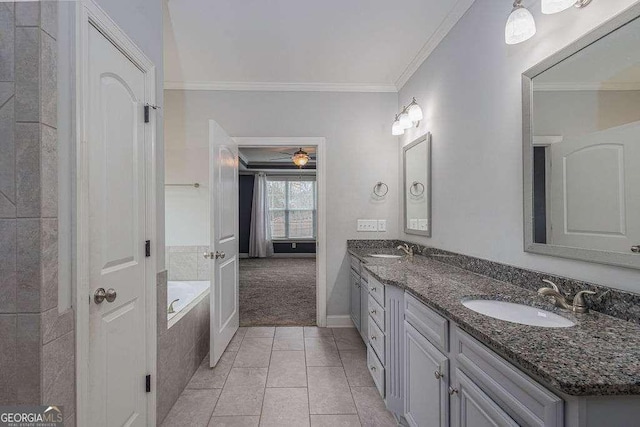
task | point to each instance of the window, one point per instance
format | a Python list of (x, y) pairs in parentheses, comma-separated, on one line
[(292, 208)]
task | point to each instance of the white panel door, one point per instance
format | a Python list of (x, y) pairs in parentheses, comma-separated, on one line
[(115, 149), (595, 196), (225, 313)]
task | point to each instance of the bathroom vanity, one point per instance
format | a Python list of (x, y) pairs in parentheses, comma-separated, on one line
[(439, 363)]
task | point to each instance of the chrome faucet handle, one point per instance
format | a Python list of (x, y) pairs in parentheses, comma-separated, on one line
[(553, 285), (579, 304)]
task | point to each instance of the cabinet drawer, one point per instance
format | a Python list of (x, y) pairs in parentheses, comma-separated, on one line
[(376, 290), (355, 264), (522, 398), (376, 339), (376, 369), (430, 324), (376, 312)]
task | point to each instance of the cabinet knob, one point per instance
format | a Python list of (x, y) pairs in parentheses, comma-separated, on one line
[(374, 289), (373, 311), (373, 368), (635, 249), (437, 374), (373, 337), (453, 391)]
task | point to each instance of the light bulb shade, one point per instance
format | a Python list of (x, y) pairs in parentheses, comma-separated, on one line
[(405, 121), (520, 26), (396, 129), (300, 158), (555, 6), (415, 113)]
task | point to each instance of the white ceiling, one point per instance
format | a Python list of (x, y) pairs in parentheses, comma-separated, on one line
[(359, 45)]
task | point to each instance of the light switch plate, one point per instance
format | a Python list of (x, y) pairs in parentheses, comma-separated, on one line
[(382, 225), (367, 225)]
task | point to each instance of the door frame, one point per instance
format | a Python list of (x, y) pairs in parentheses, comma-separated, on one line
[(321, 218), (88, 13)]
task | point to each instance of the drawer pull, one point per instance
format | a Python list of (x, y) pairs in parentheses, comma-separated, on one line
[(438, 375), (453, 391), (373, 368), (373, 337), (374, 289), (373, 311)]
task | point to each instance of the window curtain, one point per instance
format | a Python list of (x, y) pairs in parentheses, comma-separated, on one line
[(260, 244)]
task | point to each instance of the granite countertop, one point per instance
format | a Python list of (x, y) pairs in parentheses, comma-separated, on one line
[(600, 355)]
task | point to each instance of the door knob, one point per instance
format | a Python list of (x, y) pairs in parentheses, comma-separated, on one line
[(101, 295), (635, 249), (220, 254)]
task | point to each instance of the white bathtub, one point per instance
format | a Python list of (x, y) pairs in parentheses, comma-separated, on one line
[(186, 292)]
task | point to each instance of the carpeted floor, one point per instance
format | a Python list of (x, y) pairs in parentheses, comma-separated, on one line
[(278, 292)]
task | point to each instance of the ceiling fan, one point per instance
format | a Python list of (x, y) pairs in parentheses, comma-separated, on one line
[(300, 158)]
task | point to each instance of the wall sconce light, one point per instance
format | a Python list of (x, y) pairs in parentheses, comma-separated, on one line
[(554, 6), (520, 26), (409, 116)]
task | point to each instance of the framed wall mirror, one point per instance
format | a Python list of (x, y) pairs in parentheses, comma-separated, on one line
[(581, 148), (416, 161)]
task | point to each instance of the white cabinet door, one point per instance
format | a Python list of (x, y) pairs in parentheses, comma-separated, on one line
[(471, 407), (355, 300), (426, 382)]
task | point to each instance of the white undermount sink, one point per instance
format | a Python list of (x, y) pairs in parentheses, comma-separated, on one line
[(517, 313), (389, 256)]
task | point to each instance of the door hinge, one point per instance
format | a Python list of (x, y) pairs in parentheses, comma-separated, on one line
[(148, 383), (147, 248), (148, 107)]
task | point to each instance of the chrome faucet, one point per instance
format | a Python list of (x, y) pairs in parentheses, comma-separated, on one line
[(578, 305), (407, 249), (171, 310)]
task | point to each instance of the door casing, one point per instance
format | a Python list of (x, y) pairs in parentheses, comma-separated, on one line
[(88, 14), (321, 239)]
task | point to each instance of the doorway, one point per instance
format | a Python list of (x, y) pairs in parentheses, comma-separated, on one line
[(281, 232)]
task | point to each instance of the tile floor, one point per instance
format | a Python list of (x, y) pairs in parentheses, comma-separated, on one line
[(284, 376)]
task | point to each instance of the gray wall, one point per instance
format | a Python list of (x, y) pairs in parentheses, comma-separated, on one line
[(37, 363), (470, 89), (360, 152)]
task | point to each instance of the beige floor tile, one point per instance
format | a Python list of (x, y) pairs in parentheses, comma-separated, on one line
[(193, 405), (355, 366), (321, 351), (335, 421), (329, 391), (254, 353), (348, 339), (288, 343), (285, 407), (289, 332), (287, 369), (206, 377), (371, 408), (314, 331), (234, 345), (260, 332), (238, 421), (239, 401), (247, 377)]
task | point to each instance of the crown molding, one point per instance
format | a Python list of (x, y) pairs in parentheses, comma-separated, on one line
[(280, 87), (452, 19), (575, 86)]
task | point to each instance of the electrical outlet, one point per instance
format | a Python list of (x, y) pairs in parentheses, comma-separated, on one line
[(382, 225), (294, 245), (367, 225)]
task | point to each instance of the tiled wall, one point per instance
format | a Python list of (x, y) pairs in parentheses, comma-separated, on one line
[(181, 348), (187, 262), (36, 341)]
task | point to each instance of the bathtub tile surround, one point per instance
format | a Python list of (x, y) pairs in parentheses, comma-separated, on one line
[(187, 263), (285, 391), (613, 302), (181, 348), (37, 360), (598, 356)]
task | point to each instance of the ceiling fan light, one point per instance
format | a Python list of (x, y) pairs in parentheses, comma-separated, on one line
[(520, 26), (396, 129), (405, 121), (415, 112), (300, 158), (554, 6)]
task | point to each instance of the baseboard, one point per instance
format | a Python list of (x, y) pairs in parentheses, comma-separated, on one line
[(241, 255), (340, 321)]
